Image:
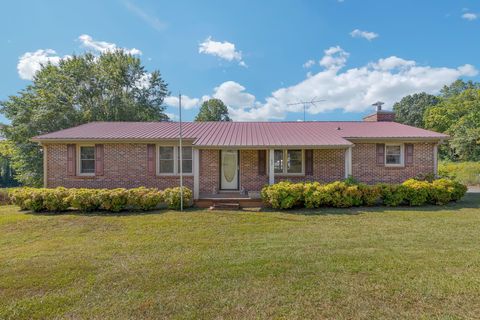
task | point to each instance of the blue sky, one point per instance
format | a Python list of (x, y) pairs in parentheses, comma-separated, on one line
[(258, 56)]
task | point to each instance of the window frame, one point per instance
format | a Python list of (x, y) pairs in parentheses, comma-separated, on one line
[(285, 161), (176, 160), (79, 160), (402, 155)]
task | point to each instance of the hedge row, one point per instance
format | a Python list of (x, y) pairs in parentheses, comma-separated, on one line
[(285, 195), (113, 200)]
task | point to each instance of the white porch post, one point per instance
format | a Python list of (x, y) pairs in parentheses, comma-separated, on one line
[(435, 160), (348, 162), (271, 167), (45, 167), (196, 173)]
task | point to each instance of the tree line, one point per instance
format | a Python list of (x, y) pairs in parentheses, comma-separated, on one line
[(454, 111)]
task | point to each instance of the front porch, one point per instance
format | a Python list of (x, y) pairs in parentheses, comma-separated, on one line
[(240, 174)]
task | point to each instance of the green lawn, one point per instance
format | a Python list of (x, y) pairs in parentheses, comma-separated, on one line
[(343, 264)]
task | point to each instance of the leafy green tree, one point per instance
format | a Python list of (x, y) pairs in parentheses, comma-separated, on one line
[(6, 170), (111, 87), (459, 116), (213, 110), (411, 108), (457, 87)]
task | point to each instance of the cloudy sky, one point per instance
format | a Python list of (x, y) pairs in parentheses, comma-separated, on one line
[(260, 57)]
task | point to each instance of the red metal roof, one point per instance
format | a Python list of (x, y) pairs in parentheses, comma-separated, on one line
[(244, 134)]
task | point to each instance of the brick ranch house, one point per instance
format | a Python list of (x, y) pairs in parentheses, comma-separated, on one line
[(238, 157)]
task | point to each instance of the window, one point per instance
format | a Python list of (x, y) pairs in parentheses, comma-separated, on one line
[(187, 160), (166, 161), (294, 161), (169, 160), (278, 161), (288, 161), (394, 155), (87, 160)]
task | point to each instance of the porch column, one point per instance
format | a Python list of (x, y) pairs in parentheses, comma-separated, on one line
[(196, 173), (45, 166), (348, 162), (435, 160), (271, 167)]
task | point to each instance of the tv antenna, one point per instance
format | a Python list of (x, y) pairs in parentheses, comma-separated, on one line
[(304, 103)]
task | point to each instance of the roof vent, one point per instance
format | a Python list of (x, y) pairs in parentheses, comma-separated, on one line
[(338, 128)]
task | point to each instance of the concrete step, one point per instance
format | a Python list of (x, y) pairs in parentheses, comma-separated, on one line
[(225, 206)]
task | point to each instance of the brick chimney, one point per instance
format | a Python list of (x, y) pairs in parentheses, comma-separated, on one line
[(380, 115)]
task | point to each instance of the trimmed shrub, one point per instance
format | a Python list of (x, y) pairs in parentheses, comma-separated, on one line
[(459, 190), (114, 200), (85, 200), (315, 195), (283, 195), (371, 195), (416, 192), (392, 195), (5, 196), (55, 200), (145, 199), (172, 197)]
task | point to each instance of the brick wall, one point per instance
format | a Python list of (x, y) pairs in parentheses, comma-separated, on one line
[(365, 169), (125, 167), (249, 178), (209, 179)]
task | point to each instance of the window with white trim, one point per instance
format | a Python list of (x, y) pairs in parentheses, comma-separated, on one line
[(166, 160), (187, 160), (394, 154), (288, 161), (87, 160), (169, 160)]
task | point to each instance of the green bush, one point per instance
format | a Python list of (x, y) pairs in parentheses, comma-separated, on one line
[(392, 195), (85, 200), (114, 200), (371, 195), (172, 197), (315, 195), (283, 195), (416, 192), (144, 199), (55, 200)]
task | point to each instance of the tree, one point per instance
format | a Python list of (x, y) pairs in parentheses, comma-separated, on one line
[(213, 110), (411, 108), (111, 87), (459, 116), (457, 87)]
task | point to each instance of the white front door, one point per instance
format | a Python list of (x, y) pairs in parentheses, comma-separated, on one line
[(229, 170)]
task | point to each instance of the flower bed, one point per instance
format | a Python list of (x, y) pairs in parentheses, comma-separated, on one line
[(286, 195), (111, 200)]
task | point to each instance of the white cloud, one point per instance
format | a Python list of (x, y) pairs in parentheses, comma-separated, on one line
[(30, 62), (187, 102), (103, 46), (224, 50), (233, 94), (364, 34), (309, 63), (154, 22), (335, 57), (351, 90), (469, 16)]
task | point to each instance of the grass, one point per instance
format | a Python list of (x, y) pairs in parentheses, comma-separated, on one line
[(338, 263), (465, 172)]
